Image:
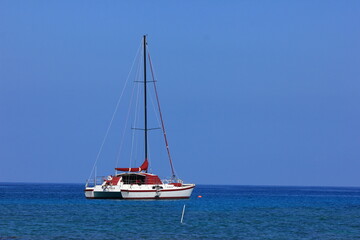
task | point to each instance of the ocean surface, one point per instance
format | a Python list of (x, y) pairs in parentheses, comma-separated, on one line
[(60, 211)]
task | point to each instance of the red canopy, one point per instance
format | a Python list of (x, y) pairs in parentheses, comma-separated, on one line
[(144, 167)]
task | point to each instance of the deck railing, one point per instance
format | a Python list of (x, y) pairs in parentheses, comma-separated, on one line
[(92, 182), (95, 181), (167, 181)]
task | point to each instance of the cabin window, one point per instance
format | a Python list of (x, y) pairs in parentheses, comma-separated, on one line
[(133, 179)]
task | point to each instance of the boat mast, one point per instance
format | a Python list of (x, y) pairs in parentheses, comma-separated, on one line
[(145, 104)]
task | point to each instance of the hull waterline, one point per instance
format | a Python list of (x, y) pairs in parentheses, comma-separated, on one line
[(136, 192)]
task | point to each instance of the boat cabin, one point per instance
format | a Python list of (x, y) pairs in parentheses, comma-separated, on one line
[(139, 178)]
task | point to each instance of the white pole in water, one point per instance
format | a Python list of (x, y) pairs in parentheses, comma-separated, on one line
[(182, 215)]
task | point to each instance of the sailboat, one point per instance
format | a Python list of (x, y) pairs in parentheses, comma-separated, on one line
[(138, 183)]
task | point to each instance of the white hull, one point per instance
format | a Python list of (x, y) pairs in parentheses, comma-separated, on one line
[(100, 192), (135, 191), (163, 191)]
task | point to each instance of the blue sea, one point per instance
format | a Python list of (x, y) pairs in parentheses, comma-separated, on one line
[(60, 211)]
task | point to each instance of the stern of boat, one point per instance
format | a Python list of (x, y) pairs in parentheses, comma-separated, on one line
[(103, 188), (89, 192)]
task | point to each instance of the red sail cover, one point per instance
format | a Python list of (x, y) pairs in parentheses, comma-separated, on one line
[(143, 167)]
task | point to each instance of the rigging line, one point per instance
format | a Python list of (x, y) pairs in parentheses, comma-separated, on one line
[(114, 113), (126, 122), (149, 156), (136, 133), (161, 118), (139, 81), (137, 109), (153, 105), (129, 110)]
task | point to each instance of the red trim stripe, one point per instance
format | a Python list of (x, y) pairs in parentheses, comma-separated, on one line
[(89, 190), (155, 198), (161, 190), (159, 198)]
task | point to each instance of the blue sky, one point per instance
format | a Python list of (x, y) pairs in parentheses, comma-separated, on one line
[(252, 92)]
